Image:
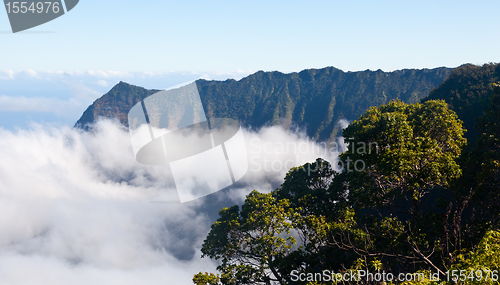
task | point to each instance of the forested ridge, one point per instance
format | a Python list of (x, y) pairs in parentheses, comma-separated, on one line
[(467, 92), (313, 99), (425, 202)]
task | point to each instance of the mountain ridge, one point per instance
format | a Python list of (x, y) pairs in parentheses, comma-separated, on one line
[(105, 106), (313, 99)]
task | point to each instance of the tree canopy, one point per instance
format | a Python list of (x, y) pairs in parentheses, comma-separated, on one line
[(399, 203)]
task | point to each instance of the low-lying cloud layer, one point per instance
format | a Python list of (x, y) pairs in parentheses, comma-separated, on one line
[(62, 96), (76, 208)]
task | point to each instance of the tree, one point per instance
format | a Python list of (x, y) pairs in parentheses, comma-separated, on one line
[(206, 279), (308, 190), (482, 264), (253, 242), (481, 180), (404, 175), (390, 208), (487, 157)]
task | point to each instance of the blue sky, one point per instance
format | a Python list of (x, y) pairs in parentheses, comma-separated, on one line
[(254, 35), (157, 44)]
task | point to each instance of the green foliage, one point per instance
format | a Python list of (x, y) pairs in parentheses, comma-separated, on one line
[(306, 188), (482, 174), (395, 194), (405, 210), (413, 148), (467, 92), (251, 242), (482, 262), (488, 151), (206, 279)]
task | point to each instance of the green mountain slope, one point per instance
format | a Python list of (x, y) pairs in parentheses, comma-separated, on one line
[(467, 92), (114, 104), (315, 99)]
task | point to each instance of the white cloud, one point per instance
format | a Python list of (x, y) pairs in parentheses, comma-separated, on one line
[(115, 74), (102, 83), (7, 74), (56, 106), (109, 73), (76, 208), (31, 73), (272, 151), (77, 205), (48, 270), (82, 91)]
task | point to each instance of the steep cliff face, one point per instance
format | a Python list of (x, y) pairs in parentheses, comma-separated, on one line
[(114, 104), (314, 99)]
